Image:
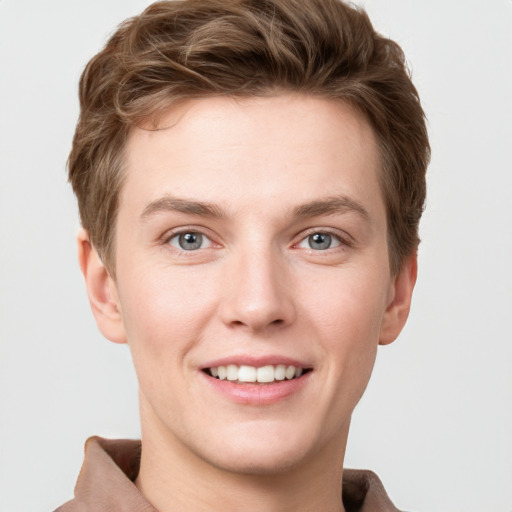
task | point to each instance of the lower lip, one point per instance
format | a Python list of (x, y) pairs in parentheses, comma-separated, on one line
[(257, 394)]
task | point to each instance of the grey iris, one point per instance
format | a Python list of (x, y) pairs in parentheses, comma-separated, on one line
[(320, 241), (190, 241)]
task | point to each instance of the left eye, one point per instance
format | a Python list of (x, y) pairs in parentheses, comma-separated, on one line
[(190, 241), (320, 241)]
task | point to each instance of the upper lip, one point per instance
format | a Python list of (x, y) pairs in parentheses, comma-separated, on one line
[(256, 361)]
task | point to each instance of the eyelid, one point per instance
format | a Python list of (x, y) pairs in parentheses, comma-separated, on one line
[(205, 241), (171, 233), (344, 239)]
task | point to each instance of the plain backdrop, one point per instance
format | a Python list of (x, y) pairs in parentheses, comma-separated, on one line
[(436, 421)]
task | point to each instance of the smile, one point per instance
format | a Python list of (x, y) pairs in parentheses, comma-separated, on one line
[(249, 374)]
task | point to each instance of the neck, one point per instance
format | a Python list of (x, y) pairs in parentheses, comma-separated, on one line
[(172, 477)]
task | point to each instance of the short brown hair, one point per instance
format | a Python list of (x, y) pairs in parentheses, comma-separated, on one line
[(195, 48)]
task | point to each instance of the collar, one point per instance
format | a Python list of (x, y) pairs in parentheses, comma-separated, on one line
[(110, 467)]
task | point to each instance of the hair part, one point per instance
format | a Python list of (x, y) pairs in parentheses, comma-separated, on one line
[(185, 49)]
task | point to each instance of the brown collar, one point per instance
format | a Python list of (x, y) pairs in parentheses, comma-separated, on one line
[(110, 467)]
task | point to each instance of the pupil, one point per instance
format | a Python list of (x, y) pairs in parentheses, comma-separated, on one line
[(190, 241), (320, 241)]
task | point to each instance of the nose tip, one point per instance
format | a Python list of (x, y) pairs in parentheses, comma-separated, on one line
[(259, 297), (257, 320)]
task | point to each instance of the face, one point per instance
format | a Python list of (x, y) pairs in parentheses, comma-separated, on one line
[(252, 277)]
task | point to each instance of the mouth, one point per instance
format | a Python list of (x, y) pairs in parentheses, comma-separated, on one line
[(245, 374)]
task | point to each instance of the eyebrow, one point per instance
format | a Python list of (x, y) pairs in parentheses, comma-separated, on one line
[(328, 206), (173, 204), (331, 206)]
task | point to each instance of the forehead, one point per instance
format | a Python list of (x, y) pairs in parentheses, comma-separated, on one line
[(249, 150)]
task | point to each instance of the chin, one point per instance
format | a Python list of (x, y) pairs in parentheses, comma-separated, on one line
[(260, 464), (264, 453)]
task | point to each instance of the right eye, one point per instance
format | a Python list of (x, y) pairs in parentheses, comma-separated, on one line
[(190, 241)]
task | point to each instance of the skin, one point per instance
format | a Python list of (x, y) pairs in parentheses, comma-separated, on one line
[(254, 288)]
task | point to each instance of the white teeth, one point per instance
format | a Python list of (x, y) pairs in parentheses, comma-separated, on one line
[(290, 372), (232, 372), (280, 372), (247, 374), (263, 374)]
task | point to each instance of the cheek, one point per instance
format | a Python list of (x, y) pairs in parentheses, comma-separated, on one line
[(346, 322), (348, 308), (164, 315), (165, 310)]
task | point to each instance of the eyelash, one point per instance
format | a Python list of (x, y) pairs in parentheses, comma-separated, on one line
[(166, 239), (343, 241)]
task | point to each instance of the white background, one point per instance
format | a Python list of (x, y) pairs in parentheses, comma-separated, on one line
[(436, 422)]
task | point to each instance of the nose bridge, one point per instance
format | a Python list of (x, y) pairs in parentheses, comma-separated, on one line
[(259, 292)]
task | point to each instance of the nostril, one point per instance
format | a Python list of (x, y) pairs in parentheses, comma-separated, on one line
[(277, 322)]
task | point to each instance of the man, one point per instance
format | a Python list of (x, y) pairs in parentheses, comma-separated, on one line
[(250, 178)]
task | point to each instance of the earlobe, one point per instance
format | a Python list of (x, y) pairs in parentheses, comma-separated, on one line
[(101, 290), (397, 311)]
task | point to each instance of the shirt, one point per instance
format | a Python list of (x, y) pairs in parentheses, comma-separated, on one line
[(105, 482)]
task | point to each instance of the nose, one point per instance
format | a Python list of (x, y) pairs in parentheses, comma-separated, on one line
[(259, 294)]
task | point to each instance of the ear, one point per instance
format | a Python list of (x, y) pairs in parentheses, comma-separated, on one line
[(399, 304), (101, 290)]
